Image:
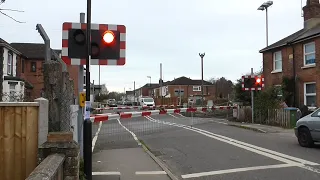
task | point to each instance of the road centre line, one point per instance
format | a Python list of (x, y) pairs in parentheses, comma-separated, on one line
[(95, 138), (226, 171), (133, 135), (268, 153), (173, 116)]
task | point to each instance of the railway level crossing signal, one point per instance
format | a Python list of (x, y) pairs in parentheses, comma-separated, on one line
[(108, 44), (252, 83)]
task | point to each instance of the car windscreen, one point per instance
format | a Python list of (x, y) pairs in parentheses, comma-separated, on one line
[(148, 100)]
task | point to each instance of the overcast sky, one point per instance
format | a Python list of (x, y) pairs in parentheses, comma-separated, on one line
[(171, 32)]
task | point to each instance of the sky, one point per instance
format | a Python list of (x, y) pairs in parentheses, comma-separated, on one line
[(171, 32)]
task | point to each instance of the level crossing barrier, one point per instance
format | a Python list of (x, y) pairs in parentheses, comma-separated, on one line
[(125, 115)]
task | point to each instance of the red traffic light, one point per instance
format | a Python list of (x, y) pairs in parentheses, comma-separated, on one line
[(108, 37), (258, 80)]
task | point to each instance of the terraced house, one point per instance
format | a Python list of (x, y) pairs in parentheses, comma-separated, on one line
[(294, 61), (12, 87)]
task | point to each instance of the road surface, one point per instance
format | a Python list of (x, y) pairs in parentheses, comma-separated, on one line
[(196, 148)]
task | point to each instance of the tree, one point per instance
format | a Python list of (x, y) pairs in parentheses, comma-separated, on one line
[(223, 87)]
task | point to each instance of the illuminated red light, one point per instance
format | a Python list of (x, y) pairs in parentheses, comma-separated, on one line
[(258, 80), (108, 37)]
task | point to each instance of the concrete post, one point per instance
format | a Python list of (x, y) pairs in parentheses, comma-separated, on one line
[(43, 120)]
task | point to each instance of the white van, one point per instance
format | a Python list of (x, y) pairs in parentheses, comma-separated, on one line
[(147, 102)]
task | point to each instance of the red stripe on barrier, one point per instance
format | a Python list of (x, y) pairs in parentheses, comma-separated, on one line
[(125, 115), (100, 118), (146, 113)]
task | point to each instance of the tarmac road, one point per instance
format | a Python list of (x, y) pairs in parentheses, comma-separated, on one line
[(211, 149)]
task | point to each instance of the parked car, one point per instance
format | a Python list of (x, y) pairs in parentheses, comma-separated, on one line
[(307, 129), (147, 102), (112, 103)]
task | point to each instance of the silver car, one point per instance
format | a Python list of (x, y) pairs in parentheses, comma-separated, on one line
[(307, 129)]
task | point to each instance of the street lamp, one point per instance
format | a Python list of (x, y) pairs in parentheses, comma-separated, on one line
[(150, 80), (263, 7), (202, 55)]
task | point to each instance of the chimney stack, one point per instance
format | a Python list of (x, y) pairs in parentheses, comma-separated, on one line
[(311, 14)]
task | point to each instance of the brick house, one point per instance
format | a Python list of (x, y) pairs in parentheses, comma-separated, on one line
[(12, 86), (188, 88), (30, 67), (296, 57), (146, 90)]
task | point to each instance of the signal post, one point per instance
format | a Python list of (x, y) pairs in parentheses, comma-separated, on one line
[(106, 46), (252, 83)]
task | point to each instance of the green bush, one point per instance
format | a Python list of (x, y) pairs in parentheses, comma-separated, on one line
[(264, 100)]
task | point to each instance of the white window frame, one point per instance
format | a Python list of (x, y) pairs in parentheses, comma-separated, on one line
[(9, 63), (305, 92), (277, 86), (196, 88), (275, 60), (305, 54)]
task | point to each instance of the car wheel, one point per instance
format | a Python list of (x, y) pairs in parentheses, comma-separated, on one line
[(304, 137)]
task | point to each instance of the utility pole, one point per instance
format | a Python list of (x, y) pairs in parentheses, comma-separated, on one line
[(179, 95), (252, 100), (87, 126), (80, 90), (161, 84), (134, 92), (202, 55)]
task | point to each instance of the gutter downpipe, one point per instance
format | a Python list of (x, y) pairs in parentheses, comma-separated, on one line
[(294, 72)]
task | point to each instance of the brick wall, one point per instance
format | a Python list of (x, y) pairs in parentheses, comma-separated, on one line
[(36, 78)]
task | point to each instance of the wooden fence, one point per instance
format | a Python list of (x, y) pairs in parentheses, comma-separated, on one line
[(18, 139), (273, 117)]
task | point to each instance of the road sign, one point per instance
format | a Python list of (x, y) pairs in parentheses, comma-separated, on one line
[(108, 44), (252, 83)]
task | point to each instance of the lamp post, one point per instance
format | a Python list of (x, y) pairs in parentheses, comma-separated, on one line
[(149, 79), (202, 55), (263, 7)]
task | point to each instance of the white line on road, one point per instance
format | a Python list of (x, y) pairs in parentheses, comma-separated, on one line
[(173, 116), (150, 172), (95, 138), (226, 171), (133, 135), (218, 122), (105, 173), (181, 115), (293, 161)]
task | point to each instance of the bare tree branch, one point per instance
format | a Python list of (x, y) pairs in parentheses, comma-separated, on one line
[(12, 10), (11, 17)]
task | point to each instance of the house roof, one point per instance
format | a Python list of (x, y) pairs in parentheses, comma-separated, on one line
[(298, 36), (129, 92), (187, 81), (32, 50), (8, 46)]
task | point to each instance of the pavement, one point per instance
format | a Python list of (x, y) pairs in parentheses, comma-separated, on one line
[(178, 147)]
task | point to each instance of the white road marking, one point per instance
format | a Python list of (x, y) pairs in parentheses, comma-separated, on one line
[(173, 116), (226, 171), (105, 173), (218, 122), (293, 161), (181, 115), (95, 138), (133, 135), (150, 172)]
